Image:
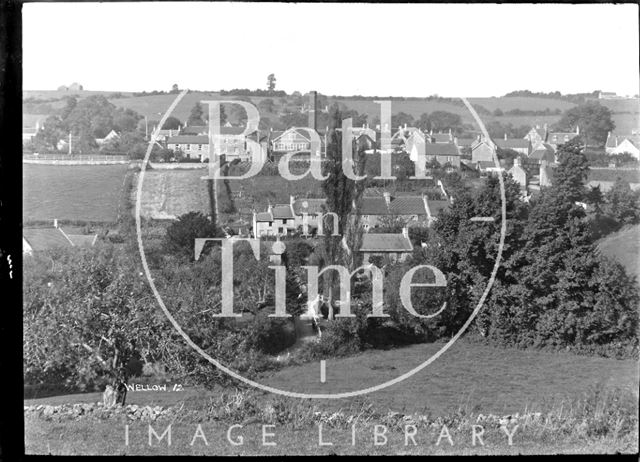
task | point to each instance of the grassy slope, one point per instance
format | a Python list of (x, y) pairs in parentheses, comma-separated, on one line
[(468, 375), (624, 247), (177, 192), (72, 192)]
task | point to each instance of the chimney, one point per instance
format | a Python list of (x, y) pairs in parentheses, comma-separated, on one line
[(405, 126), (405, 232), (55, 223), (313, 100), (292, 199), (387, 198), (505, 136), (516, 162), (577, 130)]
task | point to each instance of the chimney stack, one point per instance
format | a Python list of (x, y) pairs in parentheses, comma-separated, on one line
[(505, 136), (313, 100), (55, 223), (405, 232)]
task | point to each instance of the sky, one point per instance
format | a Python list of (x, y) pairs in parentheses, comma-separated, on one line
[(342, 49)]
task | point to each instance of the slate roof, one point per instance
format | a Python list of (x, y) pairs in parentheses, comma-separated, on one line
[(376, 242), (46, 238), (264, 216), (560, 137), (441, 149), (465, 142), (542, 153), (310, 206), (611, 174), (282, 211), (512, 143), (197, 130), (188, 139), (442, 138), (408, 205), (374, 206)]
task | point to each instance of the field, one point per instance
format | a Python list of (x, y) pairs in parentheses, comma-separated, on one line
[(624, 247), (76, 192), (469, 377), (173, 193)]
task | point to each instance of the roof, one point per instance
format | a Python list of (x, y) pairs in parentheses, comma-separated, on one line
[(310, 206), (512, 143), (465, 142), (374, 206), (435, 207), (264, 216), (376, 242), (441, 149), (442, 137), (46, 238), (561, 137), (188, 139), (282, 211), (541, 153), (611, 174), (301, 133), (408, 205), (197, 130)]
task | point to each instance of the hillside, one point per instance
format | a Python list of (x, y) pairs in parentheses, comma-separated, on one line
[(624, 247)]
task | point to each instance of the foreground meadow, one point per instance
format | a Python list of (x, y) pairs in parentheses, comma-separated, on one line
[(580, 404)]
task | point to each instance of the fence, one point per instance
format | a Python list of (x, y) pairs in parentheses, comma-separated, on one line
[(74, 157)]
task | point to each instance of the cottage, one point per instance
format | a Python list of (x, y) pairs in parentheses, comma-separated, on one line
[(386, 247), (443, 153), (293, 140), (557, 138), (521, 146), (441, 137), (540, 152), (537, 135), (519, 174), (483, 150), (620, 145)]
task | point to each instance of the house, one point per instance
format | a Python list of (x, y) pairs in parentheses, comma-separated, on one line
[(606, 177), (483, 150), (441, 137), (557, 138), (537, 135), (233, 143), (412, 210), (464, 144), (522, 146), (39, 239), (308, 213), (112, 135), (193, 146), (621, 144), (519, 174), (540, 152), (400, 138), (444, 153), (278, 220), (546, 174), (389, 247), (194, 130), (293, 140)]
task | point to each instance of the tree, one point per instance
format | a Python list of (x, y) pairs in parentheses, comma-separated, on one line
[(593, 119), (180, 235), (266, 105), (172, 123), (443, 120), (195, 117), (622, 203), (571, 174), (174, 88), (271, 82), (53, 130)]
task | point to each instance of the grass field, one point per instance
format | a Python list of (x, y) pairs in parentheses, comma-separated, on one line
[(467, 380), (72, 192), (472, 376), (175, 192), (624, 247)]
